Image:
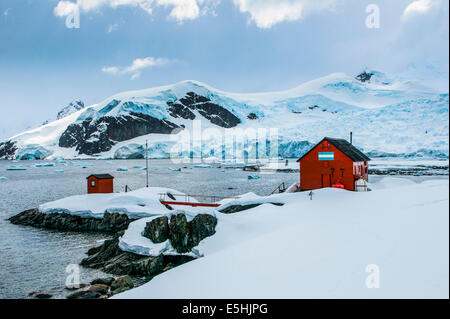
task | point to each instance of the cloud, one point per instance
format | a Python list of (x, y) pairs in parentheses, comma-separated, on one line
[(423, 36), (267, 13), (64, 8), (137, 66), (180, 10), (420, 7), (113, 27)]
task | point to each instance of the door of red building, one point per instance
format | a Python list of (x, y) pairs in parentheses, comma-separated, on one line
[(326, 180)]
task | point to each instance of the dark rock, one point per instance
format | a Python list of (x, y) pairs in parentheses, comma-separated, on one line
[(179, 110), (94, 250), (364, 76), (42, 295), (75, 286), (110, 223), (185, 235), (179, 233), (215, 113), (93, 137), (7, 150), (252, 116), (123, 282), (202, 226), (84, 294), (239, 208), (111, 259), (157, 230), (103, 281), (102, 289)]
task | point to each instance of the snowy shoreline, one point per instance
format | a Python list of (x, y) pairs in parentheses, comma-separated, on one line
[(399, 228)]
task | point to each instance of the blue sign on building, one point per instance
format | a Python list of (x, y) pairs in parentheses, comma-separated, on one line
[(326, 156)]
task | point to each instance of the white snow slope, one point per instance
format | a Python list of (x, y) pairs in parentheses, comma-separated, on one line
[(322, 248), (386, 115)]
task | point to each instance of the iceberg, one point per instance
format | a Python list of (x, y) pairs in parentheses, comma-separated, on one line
[(15, 168), (44, 165), (122, 169)]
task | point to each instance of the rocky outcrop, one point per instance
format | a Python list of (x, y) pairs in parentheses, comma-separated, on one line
[(239, 208), (108, 287), (110, 223), (215, 113), (103, 281), (179, 233), (85, 294), (364, 77), (7, 150), (157, 230), (111, 259), (183, 235), (121, 284), (95, 136), (201, 226), (252, 116)]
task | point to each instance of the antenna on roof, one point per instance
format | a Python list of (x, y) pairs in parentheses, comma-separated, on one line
[(351, 137)]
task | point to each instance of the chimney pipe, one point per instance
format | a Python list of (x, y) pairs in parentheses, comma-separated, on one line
[(351, 137)]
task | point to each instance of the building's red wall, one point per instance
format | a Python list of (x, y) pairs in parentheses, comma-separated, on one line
[(312, 170), (101, 185)]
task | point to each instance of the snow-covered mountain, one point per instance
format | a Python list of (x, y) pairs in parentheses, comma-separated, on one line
[(387, 115), (71, 108)]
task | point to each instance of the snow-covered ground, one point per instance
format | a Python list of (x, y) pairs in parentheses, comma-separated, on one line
[(327, 247), (140, 203)]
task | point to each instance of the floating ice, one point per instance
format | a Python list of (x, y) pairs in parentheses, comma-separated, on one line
[(3, 178), (202, 166), (44, 165), (137, 166), (254, 177), (174, 169), (15, 168), (122, 169), (58, 171)]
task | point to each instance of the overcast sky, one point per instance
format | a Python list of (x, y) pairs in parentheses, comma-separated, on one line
[(233, 45)]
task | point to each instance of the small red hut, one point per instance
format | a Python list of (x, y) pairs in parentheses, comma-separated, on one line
[(100, 183), (333, 163)]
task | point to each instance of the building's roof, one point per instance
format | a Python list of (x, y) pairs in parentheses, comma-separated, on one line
[(345, 147), (101, 176)]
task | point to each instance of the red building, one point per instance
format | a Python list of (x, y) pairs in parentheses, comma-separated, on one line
[(333, 163), (100, 183)]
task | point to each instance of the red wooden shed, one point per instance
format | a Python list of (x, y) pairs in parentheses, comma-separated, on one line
[(333, 163), (100, 183)]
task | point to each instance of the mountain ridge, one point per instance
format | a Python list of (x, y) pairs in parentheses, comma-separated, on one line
[(387, 116)]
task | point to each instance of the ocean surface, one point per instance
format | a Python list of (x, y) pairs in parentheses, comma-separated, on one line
[(36, 260)]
